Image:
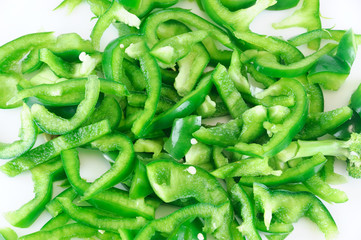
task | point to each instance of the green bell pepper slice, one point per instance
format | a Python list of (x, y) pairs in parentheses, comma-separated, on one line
[(52, 124), (8, 234), (142, 8), (53, 148), (28, 134), (291, 206), (244, 206), (179, 141), (228, 92), (300, 173), (54, 208), (200, 155), (9, 90), (113, 199), (86, 217), (235, 73), (56, 222), (331, 71), (140, 186), (120, 169), (72, 230), (43, 177), (253, 120)]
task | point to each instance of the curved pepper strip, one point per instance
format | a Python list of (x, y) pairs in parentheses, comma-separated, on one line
[(65, 69), (228, 92), (246, 167), (189, 230), (69, 92), (121, 168), (319, 124), (267, 63), (153, 78), (113, 59), (52, 124), (113, 200), (170, 50), (115, 12), (151, 23), (143, 7), (331, 71), (291, 206), (28, 134), (68, 231), (56, 222), (344, 131), (243, 205), (215, 218), (179, 141), (86, 217), (300, 173), (285, 131), (43, 177), (253, 120), (12, 52), (235, 21), (53, 148), (172, 181), (330, 34), (308, 16), (184, 107), (276, 46), (140, 186), (224, 135), (235, 73)]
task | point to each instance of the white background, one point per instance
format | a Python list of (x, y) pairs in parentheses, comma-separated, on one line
[(23, 16)]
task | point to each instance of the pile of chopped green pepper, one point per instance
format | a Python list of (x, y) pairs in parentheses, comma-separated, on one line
[(145, 102)]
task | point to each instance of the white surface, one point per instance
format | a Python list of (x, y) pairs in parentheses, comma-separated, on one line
[(23, 16)]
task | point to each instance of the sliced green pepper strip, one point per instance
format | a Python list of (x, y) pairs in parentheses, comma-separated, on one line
[(200, 155), (9, 90), (151, 23), (28, 134), (68, 231), (276, 46), (235, 21), (244, 207), (303, 171), (228, 92), (267, 63), (43, 177), (113, 200), (83, 216), (291, 206), (320, 188), (121, 168), (190, 230), (253, 120), (240, 81), (344, 131), (246, 167), (306, 37), (153, 78), (69, 92), (285, 131), (308, 16), (138, 99), (8, 234), (319, 124), (115, 12), (12, 52), (191, 69), (179, 141), (65, 69), (260, 77), (331, 71), (56, 222), (184, 107), (134, 74), (328, 175), (140, 187), (52, 124), (54, 207), (224, 135), (142, 8), (170, 50), (53, 148)]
